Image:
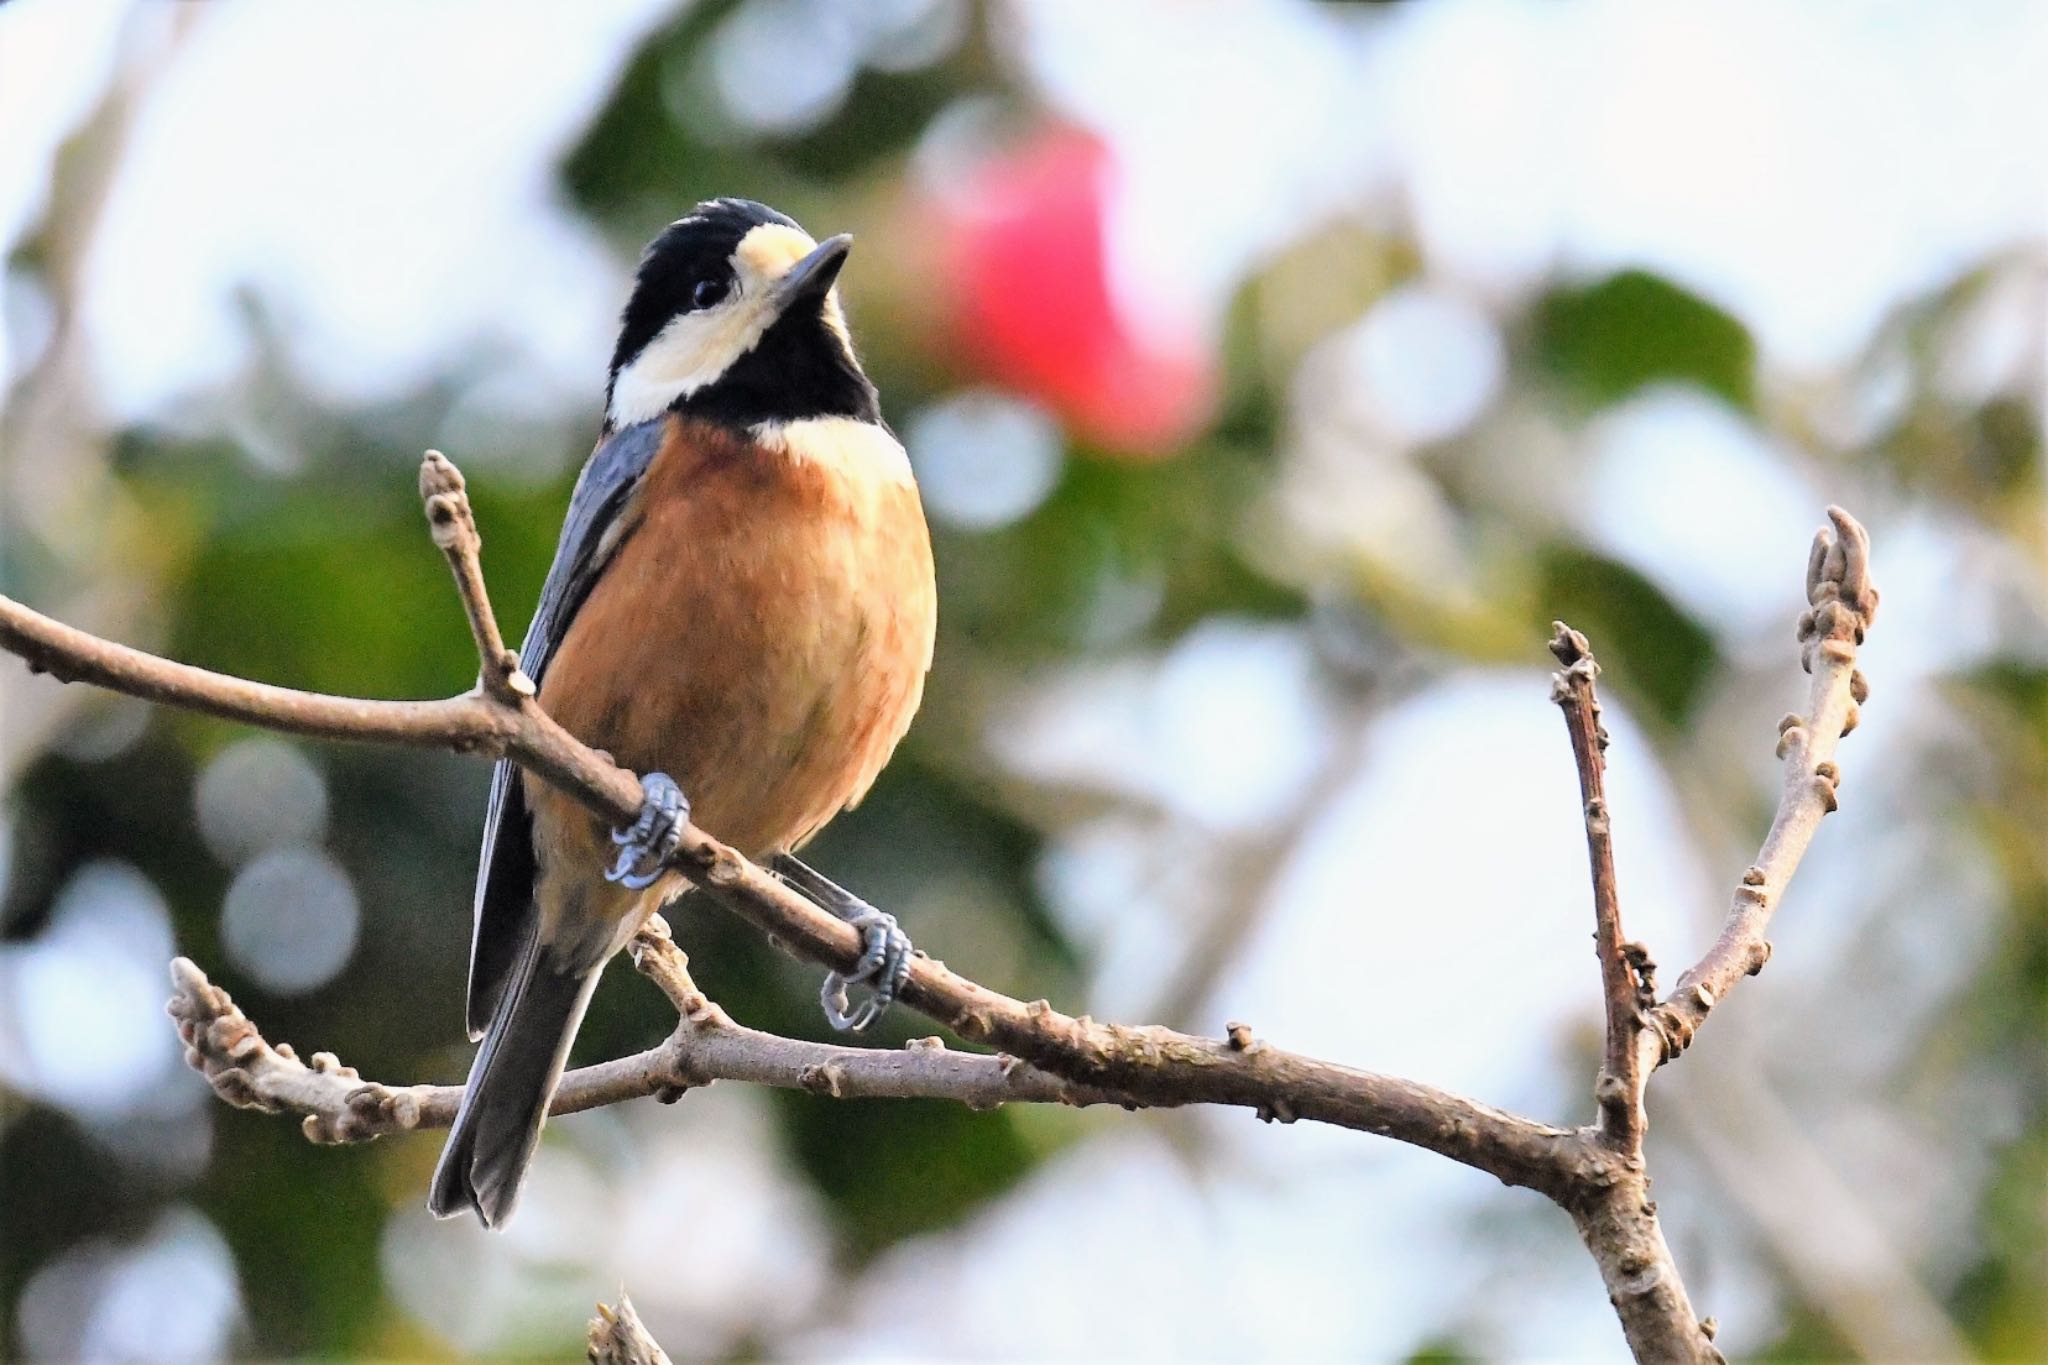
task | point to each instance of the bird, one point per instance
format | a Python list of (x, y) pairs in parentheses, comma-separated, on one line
[(742, 607)]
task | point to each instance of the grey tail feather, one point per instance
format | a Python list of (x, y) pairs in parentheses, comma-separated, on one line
[(483, 1166)]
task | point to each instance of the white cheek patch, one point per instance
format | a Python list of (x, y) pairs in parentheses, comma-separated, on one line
[(695, 349), (692, 351), (860, 451)]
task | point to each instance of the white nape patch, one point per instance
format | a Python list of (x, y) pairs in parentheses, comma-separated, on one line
[(859, 450), (695, 348)]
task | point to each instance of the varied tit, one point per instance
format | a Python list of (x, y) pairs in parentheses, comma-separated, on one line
[(741, 607)]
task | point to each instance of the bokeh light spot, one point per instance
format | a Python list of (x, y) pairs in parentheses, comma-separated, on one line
[(290, 920), (171, 1297), (781, 66), (81, 1007), (258, 793), (1701, 503), (1431, 362), (984, 459), (905, 35)]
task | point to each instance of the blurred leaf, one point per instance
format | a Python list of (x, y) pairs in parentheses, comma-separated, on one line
[(2004, 1015), (1651, 648), (305, 1233), (329, 582), (895, 1168), (884, 116), (1808, 1336), (2007, 450), (643, 161), (1121, 549), (298, 605), (2001, 1298), (1634, 329), (1987, 458), (633, 150), (57, 1188), (2022, 686)]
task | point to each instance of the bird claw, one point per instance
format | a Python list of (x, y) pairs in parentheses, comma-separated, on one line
[(884, 966), (885, 950), (646, 845)]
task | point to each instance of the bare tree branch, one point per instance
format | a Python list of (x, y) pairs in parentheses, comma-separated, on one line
[(1140, 1066), (336, 1105), (1596, 1174)]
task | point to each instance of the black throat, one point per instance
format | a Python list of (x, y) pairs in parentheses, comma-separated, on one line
[(799, 368)]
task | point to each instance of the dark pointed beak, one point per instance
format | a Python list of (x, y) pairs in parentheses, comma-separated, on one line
[(810, 277)]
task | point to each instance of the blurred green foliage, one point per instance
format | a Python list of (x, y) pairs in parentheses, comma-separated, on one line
[(645, 152), (1660, 656), (1632, 329)]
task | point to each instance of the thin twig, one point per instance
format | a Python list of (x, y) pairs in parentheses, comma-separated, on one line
[(446, 497), (1624, 986), (1843, 604)]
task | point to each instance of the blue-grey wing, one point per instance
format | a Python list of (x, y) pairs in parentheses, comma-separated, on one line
[(600, 512)]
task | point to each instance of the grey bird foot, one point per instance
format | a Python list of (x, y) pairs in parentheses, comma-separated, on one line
[(646, 845), (885, 949)]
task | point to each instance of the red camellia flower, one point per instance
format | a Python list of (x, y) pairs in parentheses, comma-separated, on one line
[(1030, 307)]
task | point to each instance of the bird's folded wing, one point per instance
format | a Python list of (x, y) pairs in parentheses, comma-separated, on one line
[(601, 513)]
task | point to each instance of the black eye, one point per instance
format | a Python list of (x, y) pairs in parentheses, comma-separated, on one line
[(707, 293)]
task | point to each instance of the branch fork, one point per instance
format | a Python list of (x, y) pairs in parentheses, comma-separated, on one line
[(1596, 1174), (1619, 1223)]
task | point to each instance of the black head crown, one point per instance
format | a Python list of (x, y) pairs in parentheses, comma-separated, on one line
[(733, 319)]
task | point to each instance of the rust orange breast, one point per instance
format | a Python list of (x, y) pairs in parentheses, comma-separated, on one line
[(761, 634)]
